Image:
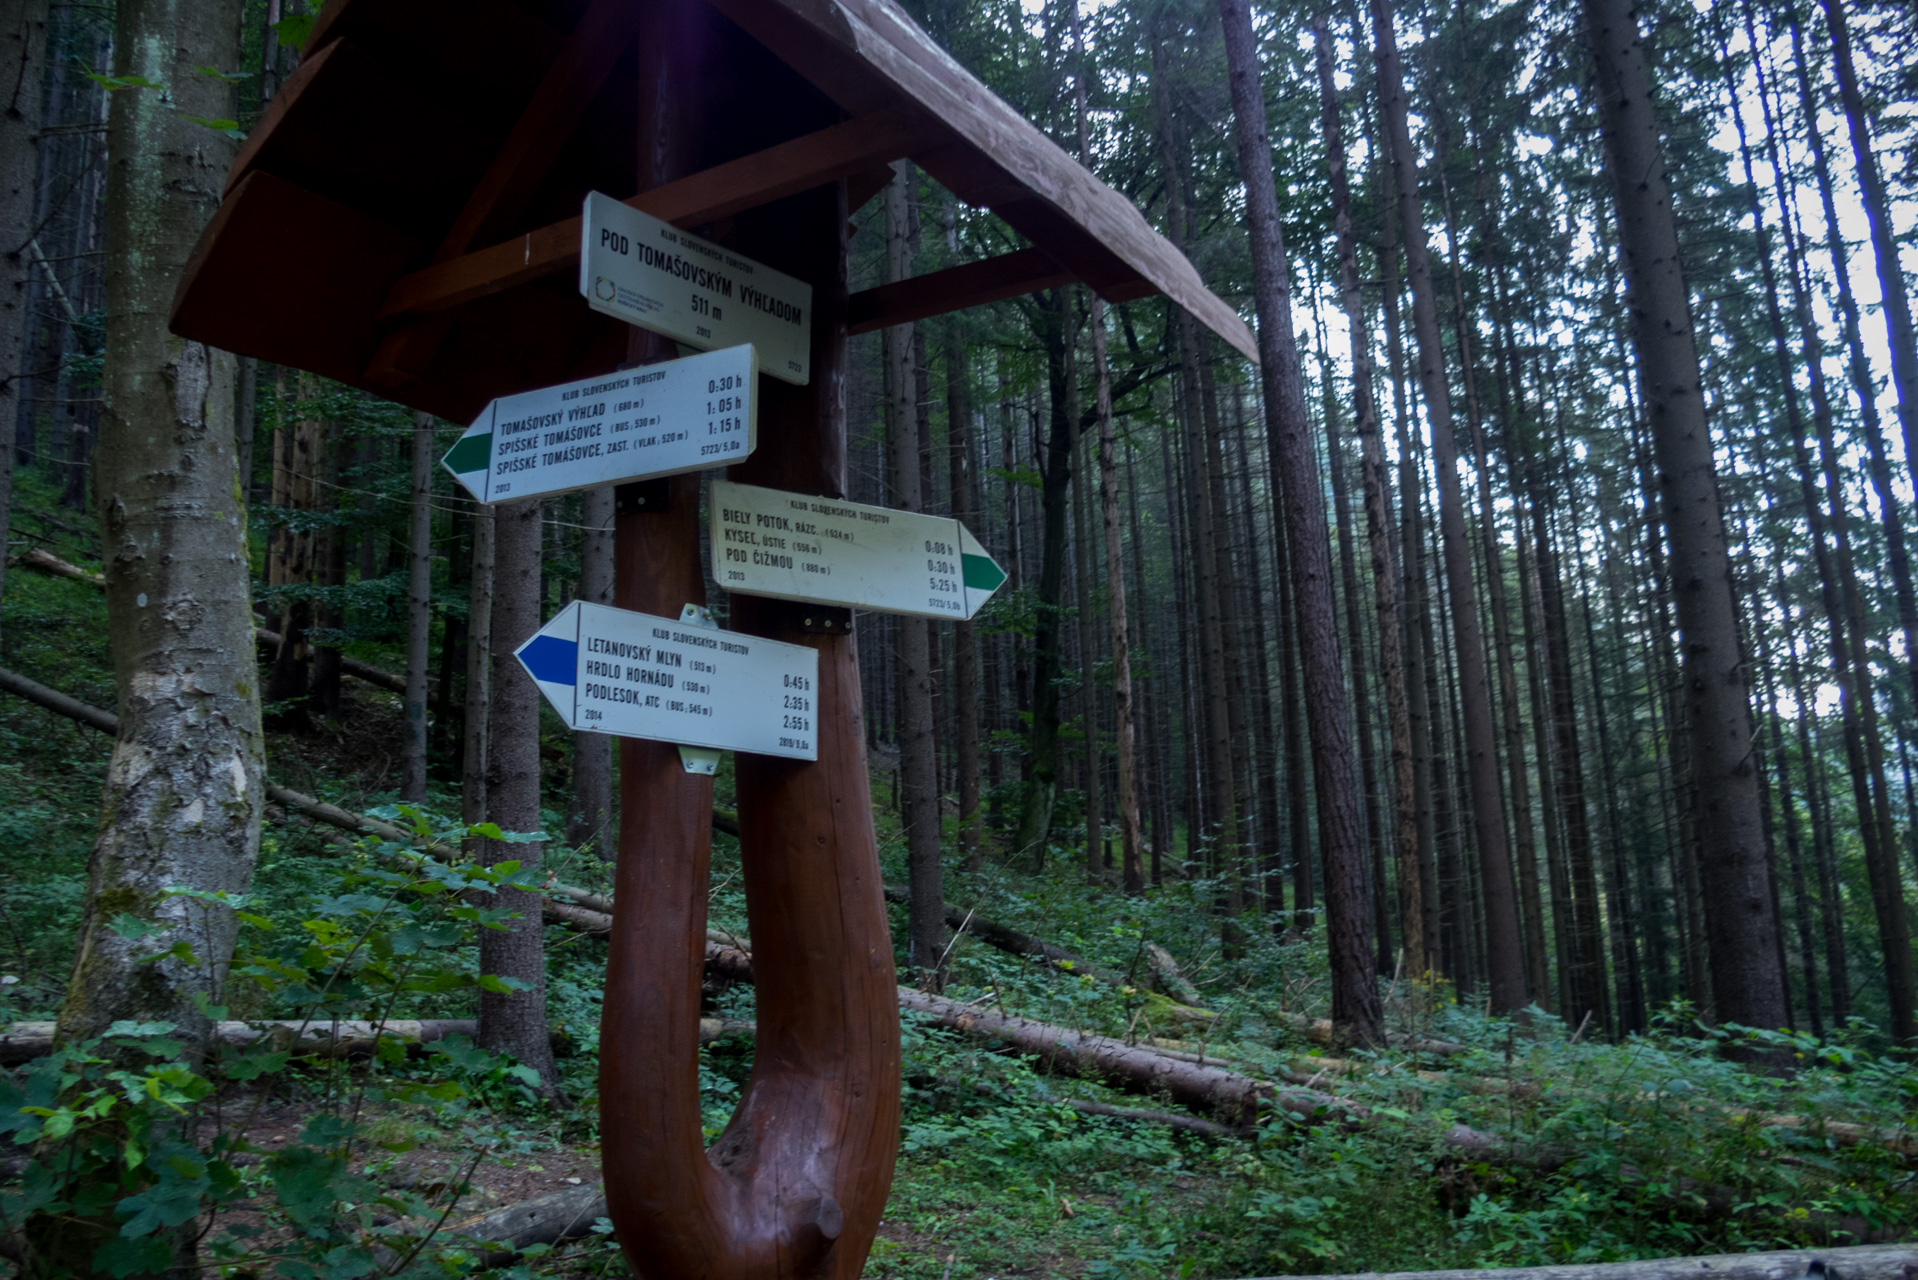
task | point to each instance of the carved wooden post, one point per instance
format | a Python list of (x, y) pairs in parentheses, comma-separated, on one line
[(796, 1185)]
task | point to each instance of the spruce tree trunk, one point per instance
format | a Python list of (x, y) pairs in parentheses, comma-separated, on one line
[(1378, 531), (918, 765), (1733, 875), (419, 610), (514, 1022), (1895, 295), (1505, 954), (1217, 829), (1864, 385), (592, 818), (1132, 862), (182, 801), (23, 47), (1082, 571), (478, 710), (1055, 479), (966, 675), (1355, 998), (1845, 620)]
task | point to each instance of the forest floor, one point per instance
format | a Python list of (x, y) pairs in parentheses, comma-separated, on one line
[(998, 1176)]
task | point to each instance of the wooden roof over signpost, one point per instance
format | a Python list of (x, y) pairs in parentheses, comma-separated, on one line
[(410, 202)]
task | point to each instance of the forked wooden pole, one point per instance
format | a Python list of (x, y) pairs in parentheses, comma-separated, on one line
[(796, 1184)]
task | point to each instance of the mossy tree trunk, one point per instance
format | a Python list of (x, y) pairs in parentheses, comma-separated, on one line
[(183, 793)]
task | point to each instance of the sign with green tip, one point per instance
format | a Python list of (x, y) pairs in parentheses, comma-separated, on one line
[(656, 420), (767, 542)]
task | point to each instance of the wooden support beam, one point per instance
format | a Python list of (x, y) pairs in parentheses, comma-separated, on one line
[(738, 185), (567, 89), (1010, 275)]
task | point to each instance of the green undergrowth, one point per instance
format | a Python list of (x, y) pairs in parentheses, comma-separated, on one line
[(1597, 1151)]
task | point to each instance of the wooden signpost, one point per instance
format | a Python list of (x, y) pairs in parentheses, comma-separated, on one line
[(685, 415), (436, 205), (635, 675), (767, 542), (650, 273)]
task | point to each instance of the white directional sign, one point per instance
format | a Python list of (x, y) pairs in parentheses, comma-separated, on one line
[(767, 542), (656, 420), (634, 675), (650, 273)]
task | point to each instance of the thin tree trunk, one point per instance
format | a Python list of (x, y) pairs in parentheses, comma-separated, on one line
[(918, 763), (1132, 867), (1788, 807), (479, 671), (1220, 825), (1891, 507), (1355, 997), (23, 46), (419, 610), (965, 646), (1845, 619), (1378, 528), (591, 821), (1894, 293), (1736, 891), (514, 1021), (1505, 955)]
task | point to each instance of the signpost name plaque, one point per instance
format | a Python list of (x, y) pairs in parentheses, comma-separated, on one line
[(650, 273)]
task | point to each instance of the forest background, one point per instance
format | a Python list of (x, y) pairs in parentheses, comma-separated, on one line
[(1117, 751)]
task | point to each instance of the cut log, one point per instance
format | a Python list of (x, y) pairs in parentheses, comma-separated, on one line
[(549, 1219), (1856, 1262), (1168, 978)]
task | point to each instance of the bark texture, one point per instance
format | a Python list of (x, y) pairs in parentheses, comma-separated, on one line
[(23, 48), (1734, 874), (182, 801), (918, 762), (1505, 961), (419, 610), (1355, 997), (1378, 530), (592, 816), (514, 1022)]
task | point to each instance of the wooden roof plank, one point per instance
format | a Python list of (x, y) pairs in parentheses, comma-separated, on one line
[(878, 38), (729, 188), (971, 284)]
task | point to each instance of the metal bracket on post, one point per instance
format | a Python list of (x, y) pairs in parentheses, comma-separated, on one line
[(825, 620), (651, 496), (697, 759)]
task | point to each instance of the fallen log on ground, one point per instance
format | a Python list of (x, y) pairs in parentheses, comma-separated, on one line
[(24, 1041), (349, 1037), (54, 567), (348, 666), (1845, 1133), (1853, 1262), (333, 815), (549, 1219)]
